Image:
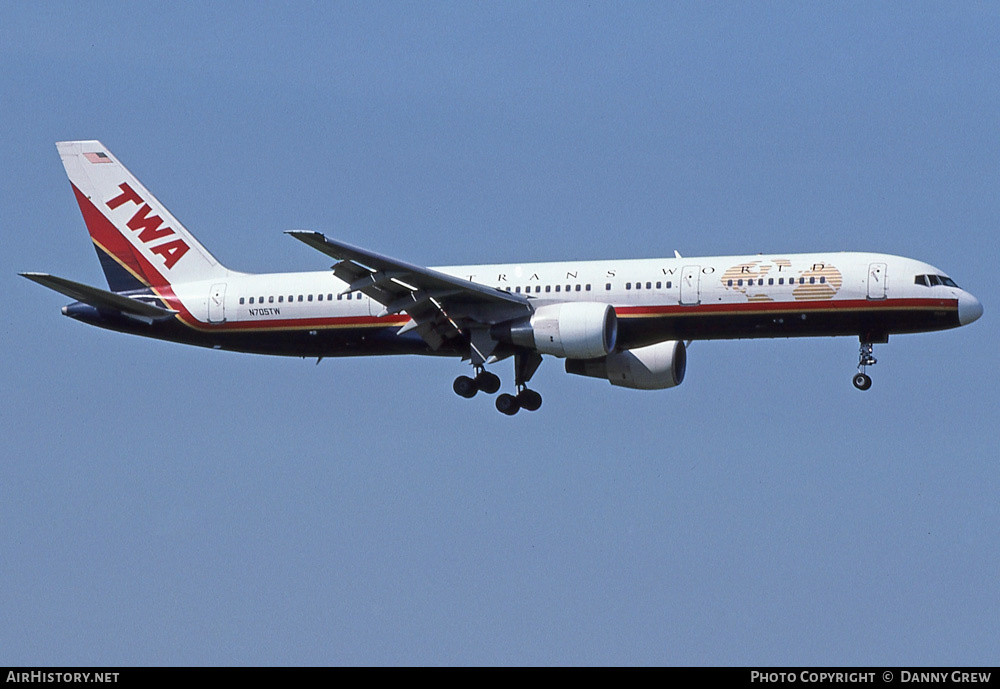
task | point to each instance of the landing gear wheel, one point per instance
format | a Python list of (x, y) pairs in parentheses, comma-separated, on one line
[(862, 381), (529, 399), (487, 382), (465, 387), (507, 404)]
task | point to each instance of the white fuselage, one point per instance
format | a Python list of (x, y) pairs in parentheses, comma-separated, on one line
[(636, 288)]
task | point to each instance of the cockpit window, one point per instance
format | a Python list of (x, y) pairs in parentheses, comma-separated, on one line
[(934, 281)]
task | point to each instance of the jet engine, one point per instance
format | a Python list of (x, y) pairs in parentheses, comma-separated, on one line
[(578, 330), (655, 367)]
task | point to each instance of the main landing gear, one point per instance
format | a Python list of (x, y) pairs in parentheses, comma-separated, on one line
[(468, 387), (524, 399), (866, 358), (525, 366)]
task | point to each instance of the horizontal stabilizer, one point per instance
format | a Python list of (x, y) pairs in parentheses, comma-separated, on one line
[(99, 298)]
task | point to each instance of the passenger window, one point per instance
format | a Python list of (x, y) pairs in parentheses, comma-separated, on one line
[(270, 300), (281, 298), (241, 300), (578, 288), (770, 281), (608, 287), (251, 300), (739, 283), (638, 285), (261, 300), (628, 285), (588, 286), (350, 295), (658, 284), (548, 288), (822, 281), (781, 281), (309, 298), (517, 289), (339, 297), (319, 297), (558, 287), (669, 284)]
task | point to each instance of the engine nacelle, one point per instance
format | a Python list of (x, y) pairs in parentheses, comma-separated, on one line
[(578, 330), (655, 367)]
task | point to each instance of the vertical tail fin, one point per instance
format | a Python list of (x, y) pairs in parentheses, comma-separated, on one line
[(140, 244)]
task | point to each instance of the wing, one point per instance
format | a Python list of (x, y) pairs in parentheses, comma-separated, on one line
[(442, 306)]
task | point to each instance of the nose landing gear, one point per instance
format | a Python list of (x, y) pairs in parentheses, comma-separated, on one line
[(866, 358)]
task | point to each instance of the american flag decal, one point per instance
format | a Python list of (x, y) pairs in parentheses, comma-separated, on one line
[(97, 157)]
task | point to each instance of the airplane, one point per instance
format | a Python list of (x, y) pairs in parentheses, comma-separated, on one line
[(627, 321)]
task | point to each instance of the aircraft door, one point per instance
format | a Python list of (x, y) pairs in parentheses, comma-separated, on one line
[(691, 285), (876, 281), (217, 303)]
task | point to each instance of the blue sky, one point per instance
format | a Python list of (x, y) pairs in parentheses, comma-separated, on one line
[(170, 505)]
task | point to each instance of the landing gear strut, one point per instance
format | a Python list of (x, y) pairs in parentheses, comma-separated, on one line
[(866, 358)]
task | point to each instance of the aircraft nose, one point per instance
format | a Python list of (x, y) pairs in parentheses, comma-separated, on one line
[(969, 308)]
